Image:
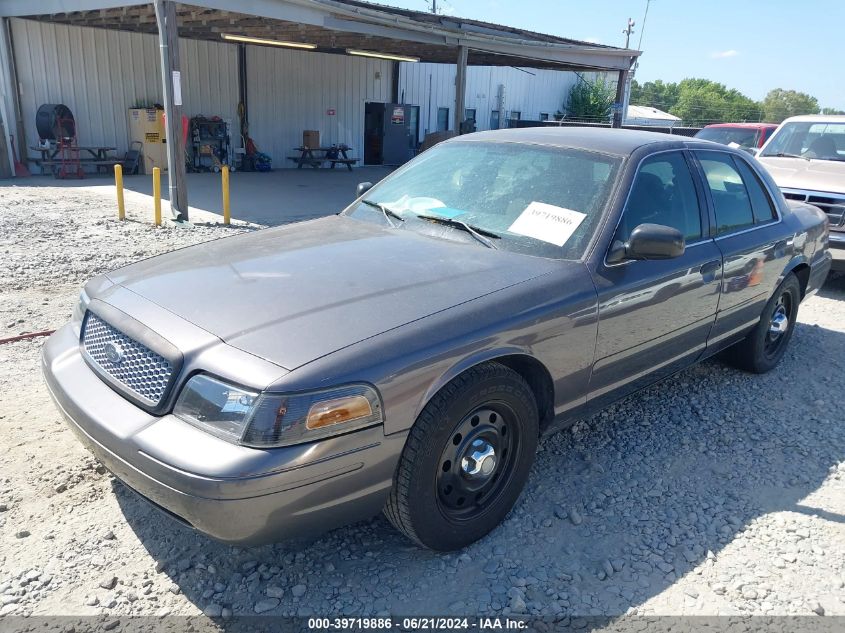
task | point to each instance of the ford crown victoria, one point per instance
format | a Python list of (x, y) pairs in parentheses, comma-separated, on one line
[(406, 354)]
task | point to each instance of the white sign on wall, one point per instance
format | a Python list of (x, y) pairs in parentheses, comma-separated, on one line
[(177, 87)]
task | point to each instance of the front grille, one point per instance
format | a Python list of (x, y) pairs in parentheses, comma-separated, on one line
[(832, 204), (133, 365)]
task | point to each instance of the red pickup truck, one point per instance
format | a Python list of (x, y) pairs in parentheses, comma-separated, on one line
[(746, 135)]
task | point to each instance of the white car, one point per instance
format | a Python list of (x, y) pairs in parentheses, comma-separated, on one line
[(806, 157)]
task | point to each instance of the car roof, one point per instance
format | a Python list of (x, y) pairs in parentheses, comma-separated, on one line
[(745, 124), (817, 118), (606, 140)]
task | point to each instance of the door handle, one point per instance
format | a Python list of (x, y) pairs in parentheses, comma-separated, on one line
[(708, 271)]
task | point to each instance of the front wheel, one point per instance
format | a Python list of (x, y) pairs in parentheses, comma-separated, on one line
[(763, 348), (466, 460)]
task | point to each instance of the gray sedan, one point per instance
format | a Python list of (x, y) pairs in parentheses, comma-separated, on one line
[(406, 354)]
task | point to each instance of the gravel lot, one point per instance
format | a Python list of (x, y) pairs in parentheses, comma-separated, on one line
[(715, 492)]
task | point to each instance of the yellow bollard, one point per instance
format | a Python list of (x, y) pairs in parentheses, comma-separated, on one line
[(157, 195), (118, 183), (227, 210)]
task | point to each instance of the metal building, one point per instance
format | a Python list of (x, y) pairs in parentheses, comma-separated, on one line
[(646, 115), (100, 73), (494, 94), (305, 65)]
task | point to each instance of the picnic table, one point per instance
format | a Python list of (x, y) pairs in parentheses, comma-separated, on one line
[(316, 156), (99, 157)]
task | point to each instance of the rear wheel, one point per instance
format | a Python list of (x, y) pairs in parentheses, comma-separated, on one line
[(763, 348), (466, 459)]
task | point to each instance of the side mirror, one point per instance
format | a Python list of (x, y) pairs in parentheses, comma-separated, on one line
[(649, 241), (362, 188)]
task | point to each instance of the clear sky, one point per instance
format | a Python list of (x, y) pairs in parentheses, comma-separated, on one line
[(750, 45)]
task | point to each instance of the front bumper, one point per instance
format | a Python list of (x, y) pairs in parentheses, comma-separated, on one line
[(233, 493), (836, 243)]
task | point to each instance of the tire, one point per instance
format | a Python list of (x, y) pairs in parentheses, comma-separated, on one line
[(762, 349), (447, 492)]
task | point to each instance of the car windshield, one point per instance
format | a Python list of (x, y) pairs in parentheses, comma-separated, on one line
[(744, 137), (808, 139), (538, 200)]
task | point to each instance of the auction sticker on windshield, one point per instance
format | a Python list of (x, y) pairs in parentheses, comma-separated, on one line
[(547, 222)]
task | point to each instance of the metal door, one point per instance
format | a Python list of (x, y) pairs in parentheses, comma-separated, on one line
[(396, 141)]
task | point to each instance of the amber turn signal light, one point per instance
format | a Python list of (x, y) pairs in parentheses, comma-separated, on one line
[(337, 411)]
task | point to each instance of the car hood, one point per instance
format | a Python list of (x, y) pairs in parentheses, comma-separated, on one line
[(799, 173), (296, 293)]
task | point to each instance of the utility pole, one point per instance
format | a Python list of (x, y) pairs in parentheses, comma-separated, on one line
[(622, 81), (460, 87), (620, 98), (628, 30), (171, 77), (636, 65)]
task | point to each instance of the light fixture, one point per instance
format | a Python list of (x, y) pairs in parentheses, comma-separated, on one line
[(396, 58), (258, 40)]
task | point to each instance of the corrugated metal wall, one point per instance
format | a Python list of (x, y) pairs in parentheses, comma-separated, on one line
[(7, 109), (291, 91), (530, 91), (429, 86), (99, 74)]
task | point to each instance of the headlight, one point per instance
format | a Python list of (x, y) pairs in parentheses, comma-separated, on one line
[(216, 407), (271, 420), (79, 310)]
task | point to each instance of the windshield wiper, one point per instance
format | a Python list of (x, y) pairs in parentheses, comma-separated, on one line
[(785, 155), (476, 231), (387, 211)]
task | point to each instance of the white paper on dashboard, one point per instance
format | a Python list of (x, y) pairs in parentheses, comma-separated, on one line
[(547, 222)]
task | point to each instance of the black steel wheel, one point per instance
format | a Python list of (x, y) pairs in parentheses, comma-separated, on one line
[(779, 325), (466, 459), (763, 348), (477, 462)]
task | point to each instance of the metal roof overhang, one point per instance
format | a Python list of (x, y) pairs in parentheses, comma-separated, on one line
[(335, 25)]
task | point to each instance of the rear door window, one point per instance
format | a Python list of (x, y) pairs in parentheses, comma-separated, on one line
[(731, 200), (761, 203)]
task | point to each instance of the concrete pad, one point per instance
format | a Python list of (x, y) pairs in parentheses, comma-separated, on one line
[(271, 198)]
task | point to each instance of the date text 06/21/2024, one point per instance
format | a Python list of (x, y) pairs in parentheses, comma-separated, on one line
[(417, 623)]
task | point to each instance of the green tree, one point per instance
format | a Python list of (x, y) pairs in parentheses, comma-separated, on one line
[(703, 101), (780, 104), (655, 94), (590, 100), (832, 111), (697, 101), (698, 105)]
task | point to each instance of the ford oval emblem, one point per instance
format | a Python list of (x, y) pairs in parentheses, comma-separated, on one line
[(114, 353)]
